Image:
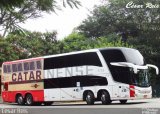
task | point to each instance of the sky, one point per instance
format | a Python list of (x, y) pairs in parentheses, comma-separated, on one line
[(64, 21)]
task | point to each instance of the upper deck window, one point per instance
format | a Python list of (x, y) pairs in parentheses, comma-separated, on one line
[(19, 67), (22, 66), (5, 68), (26, 66), (113, 55), (39, 65), (8, 68), (14, 67), (32, 65), (73, 60)]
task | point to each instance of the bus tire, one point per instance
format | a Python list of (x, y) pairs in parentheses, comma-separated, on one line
[(89, 98), (29, 100), (19, 99), (123, 101), (105, 98)]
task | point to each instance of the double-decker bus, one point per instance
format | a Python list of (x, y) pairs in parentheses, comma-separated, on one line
[(104, 75)]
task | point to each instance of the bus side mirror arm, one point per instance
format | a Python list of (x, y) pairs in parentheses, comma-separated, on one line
[(135, 70), (153, 66), (125, 64)]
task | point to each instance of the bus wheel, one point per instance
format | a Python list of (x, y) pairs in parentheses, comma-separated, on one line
[(20, 100), (123, 101), (90, 98), (105, 98), (48, 103), (29, 99)]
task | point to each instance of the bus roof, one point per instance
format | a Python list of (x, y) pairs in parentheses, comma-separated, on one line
[(64, 54), (85, 51)]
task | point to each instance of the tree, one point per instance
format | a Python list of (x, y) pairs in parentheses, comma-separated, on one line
[(73, 42), (34, 44), (10, 3), (136, 26), (77, 42), (9, 52), (140, 26), (14, 12)]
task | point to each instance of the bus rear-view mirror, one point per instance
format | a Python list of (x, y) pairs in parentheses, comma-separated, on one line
[(155, 67)]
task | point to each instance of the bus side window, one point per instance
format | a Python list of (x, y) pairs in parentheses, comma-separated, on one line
[(26, 66), (32, 65), (39, 65), (5, 68), (14, 67), (19, 65)]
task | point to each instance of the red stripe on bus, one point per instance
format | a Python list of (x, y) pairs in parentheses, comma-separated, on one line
[(132, 90), (10, 96)]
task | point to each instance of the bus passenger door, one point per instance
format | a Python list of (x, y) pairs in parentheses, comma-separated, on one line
[(123, 91), (120, 91), (5, 93)]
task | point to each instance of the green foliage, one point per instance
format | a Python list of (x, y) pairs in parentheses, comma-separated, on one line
[(10, 3), (9, 52), (76, 42), (34, 44)]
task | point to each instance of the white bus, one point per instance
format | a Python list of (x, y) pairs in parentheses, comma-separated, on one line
[(104, 75)]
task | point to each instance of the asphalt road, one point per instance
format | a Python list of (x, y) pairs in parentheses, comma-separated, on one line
[(147, 106)]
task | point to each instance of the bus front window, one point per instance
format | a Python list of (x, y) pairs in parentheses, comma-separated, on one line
[(127, 75), (141, 78)]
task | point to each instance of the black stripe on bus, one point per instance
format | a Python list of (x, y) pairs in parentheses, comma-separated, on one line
[(65, 82)]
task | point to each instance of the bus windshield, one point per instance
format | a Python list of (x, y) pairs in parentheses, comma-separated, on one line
[(128, 76), (141, 78)]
